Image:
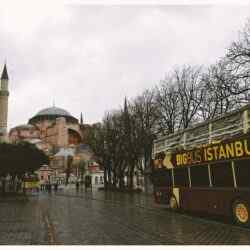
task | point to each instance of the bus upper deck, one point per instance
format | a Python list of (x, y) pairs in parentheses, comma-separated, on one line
[(212, 131)]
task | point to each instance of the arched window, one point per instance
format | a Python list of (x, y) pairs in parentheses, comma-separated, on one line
[(74, 137)]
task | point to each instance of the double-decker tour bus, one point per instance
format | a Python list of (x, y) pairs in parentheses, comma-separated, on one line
[(206, 168)]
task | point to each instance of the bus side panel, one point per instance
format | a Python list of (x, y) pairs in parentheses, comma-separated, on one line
[(211, 200), (162, 194), (200, 200)]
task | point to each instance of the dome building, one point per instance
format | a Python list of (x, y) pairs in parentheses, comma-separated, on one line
[(55, 131), (50, 128)]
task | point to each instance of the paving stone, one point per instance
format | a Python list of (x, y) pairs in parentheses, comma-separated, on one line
[(98, 218)]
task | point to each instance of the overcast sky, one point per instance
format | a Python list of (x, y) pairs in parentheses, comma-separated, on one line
[(87, 58)]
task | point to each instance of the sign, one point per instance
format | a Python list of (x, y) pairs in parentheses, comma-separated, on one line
[(236, 148), (31, 184)]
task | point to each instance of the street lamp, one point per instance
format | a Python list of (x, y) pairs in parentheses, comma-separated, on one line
[(105, 163), (68, 169), (76, 164)]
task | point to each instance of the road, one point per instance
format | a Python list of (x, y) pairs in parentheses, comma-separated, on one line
[(69, 217)]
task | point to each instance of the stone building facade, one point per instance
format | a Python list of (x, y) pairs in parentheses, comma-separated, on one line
[(51, 128)]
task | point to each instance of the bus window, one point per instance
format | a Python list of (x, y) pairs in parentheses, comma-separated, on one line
[(181, 177), (242, 173), (199, 176), (222, 175), (162, 178)]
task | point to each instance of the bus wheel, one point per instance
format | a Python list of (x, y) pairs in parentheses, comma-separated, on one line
[(241, 212), (173, 203)]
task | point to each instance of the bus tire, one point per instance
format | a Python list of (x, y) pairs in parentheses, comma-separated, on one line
[(241, 212), (173, 203)]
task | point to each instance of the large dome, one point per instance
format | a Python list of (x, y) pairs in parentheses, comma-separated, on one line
[(52, 113)]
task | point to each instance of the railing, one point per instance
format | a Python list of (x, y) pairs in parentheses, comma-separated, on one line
[(10, 186), (205, 133)]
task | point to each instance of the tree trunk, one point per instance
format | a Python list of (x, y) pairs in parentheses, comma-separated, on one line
[(3, 186), (109, 175), (105, 174), (67, 176), (105, 178), (114, 178), (121, 182), (131, 178)]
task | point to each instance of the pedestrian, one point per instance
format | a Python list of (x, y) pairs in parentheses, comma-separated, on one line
[(49, 187), (43, 183), (24, 187), (3, 185), (19, 185), (77, 185), (56, 186)]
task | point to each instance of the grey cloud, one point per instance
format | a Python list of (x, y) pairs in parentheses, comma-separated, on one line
[(87, 58)]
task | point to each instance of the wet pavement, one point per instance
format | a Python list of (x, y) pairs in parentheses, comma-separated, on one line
[(86, 218)]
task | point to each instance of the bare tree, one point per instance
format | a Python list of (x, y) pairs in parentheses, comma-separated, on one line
[(115, 148), (144, 111), (238, 62), (218, 98), (186, 95), (167, 106), (190, 93)]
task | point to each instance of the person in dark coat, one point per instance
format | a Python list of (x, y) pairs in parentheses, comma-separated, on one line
[(77, 186), (56, 186)]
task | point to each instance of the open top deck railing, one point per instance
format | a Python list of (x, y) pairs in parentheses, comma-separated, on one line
[(211, 131)]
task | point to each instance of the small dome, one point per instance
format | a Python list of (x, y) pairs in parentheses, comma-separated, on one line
[(24, 126)]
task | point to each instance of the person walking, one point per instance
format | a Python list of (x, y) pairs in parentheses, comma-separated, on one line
[(49, 187), (56, 186), (77, 186)]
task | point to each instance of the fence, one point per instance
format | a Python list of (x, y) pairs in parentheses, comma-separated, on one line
[(211, 131), (10, 186)]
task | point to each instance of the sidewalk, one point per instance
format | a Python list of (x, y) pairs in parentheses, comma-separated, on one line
[(13, 197), (141, 200)]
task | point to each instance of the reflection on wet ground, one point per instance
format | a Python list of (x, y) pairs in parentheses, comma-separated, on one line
[(70, 217)]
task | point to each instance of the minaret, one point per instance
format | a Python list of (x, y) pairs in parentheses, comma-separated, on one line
[(81, 119), (4, 95)]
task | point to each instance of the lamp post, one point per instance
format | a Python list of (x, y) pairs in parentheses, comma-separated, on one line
[(82, 166), (77, 165), (105, 163), (68, 169)]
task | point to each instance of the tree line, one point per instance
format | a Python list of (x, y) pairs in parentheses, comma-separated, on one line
[(188, 94)]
